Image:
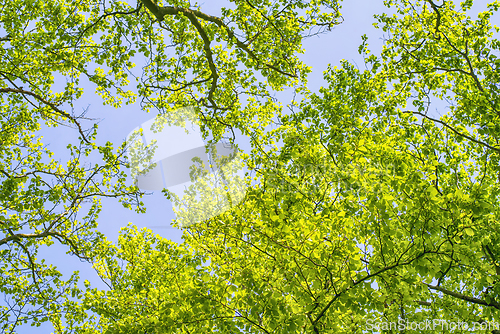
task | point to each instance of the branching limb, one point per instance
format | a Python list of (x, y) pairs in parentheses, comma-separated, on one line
[(455, 131), (423, 303), (50, 104), (139, 6), (463, 297), (161, 12), (208, 53), (493, 260), (438, 15)]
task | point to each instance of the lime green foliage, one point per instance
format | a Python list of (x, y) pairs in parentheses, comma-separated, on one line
[(374, 209), (42, 199), (50, 49)]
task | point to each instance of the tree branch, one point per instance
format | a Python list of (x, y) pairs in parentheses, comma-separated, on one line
[(438, 15), (50, 104), (161, 12), (423, 303), (19, 236), (457, 132), (463, 297), (488, 251), (139, 6), (208, 53)]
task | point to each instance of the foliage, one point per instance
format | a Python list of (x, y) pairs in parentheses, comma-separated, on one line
[(44, 200), (372, 210), (188, 58)]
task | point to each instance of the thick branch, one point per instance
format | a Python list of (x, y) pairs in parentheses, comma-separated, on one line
[(457, 132), (423, 303), (19, 236), (463, 297), (208, 53), (161, 12), (492, 257), (62, 239), (438, 15)]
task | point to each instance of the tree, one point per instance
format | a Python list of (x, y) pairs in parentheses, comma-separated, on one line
[(248, 52), (43, 200), (373, 214)]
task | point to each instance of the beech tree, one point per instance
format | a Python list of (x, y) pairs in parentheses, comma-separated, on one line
[(43, 199), (373, 209), (187, 57)]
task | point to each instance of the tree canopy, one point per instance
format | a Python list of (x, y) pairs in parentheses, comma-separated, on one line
[(371, 211)]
